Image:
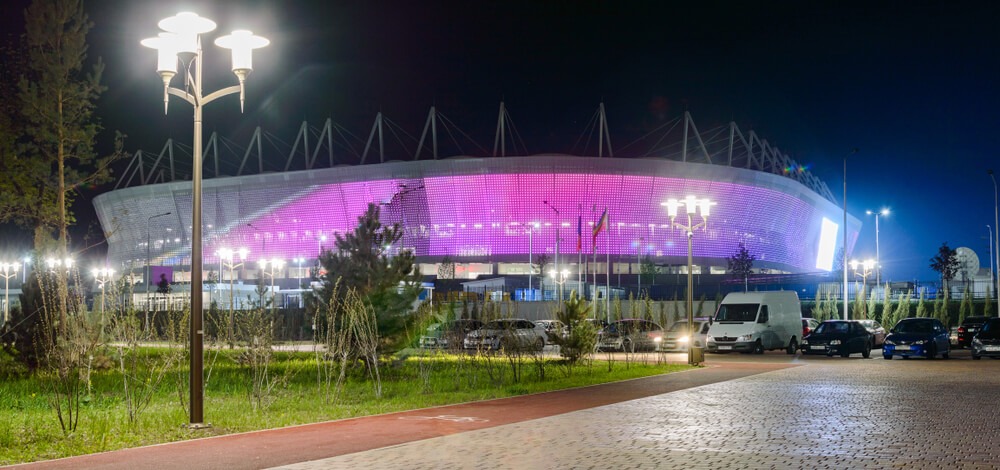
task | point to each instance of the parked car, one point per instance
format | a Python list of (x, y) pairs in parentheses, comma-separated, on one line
[(677, 338), (877, 331), (844, 337), (969, 327), (449, 334), (808, 325), (509, 334), (553, 329), (987, 341), (630, 334), (925, 337)]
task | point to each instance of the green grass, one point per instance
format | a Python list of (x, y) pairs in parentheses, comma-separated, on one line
[(29, 429)]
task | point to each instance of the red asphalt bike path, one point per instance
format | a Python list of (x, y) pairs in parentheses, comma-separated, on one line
[(303, 443)]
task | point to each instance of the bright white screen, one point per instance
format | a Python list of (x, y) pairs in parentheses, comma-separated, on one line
[(827, 245)]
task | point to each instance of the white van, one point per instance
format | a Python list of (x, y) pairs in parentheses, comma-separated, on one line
[(752, 322)]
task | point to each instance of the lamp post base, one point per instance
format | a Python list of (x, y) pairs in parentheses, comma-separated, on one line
[(197, 426)]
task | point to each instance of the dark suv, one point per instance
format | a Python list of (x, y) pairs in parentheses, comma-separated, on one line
[(969, 328)]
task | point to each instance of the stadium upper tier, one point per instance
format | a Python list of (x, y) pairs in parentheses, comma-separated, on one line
[(486, 210)]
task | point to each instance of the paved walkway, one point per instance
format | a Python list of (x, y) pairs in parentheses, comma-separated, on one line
[(765, 414), (319, 441)]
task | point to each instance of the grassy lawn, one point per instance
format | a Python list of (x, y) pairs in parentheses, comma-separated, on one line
[(29, 428)]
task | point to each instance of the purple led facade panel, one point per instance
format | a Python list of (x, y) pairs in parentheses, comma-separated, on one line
[(483, 209)]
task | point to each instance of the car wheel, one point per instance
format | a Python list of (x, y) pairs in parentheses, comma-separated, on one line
[(539, 344), (945, 354), (976, 357), (627, 345), (867, 351), (931, 351), (887, 357), (758, 348), (792, 346)]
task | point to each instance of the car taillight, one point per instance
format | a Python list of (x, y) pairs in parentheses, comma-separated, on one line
[(961, 329)]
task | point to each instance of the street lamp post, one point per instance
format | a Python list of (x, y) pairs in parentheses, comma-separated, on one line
[(692, 205), (996, 234), (990, 232), (275, 264), (867, 266), (7, 270), (638, 262), (227, 256), (531, 264), (878, 262), (852, 152), (182, 40), (559, 278), (557, 238), (102, 276)]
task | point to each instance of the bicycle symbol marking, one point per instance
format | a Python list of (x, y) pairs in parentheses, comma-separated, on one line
[(452, 418)]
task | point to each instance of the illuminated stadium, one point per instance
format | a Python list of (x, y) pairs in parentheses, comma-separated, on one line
[(487, 214)]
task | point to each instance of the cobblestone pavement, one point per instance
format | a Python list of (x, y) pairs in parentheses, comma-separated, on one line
[(833, 413)]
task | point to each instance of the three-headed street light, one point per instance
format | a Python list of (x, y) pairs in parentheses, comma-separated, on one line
[(7, 271), (878, 263), (102, 275), (54, 264), (180, 42), (863, 269), (275, 265), (232, 260), (559, 277), (692, 206)]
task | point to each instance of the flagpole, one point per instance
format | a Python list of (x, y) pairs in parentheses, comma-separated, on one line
[(607, 298), (579, 246)]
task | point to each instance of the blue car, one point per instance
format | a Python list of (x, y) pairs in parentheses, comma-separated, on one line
[(925, 337)]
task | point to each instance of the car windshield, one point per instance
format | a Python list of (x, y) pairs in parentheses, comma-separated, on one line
[(992, 325), (500, 325), (737, 312), (833, 327), (678, 326), (914, 327), (620, 327)]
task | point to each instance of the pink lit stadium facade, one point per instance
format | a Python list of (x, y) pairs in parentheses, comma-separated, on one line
[(488, 215)]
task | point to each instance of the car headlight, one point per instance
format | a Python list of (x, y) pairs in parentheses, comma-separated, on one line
[(805, 342), (683, 339), (711, 339), (976, 342), (657, 339), (889, 342), (834, 342), (920, 341), (745, 338)]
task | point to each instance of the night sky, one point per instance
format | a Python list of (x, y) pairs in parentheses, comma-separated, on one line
[(912, 85)]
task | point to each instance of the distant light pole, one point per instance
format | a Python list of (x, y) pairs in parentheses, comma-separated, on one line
[(559, 278), (7, 271), (182, 40), (275, 265), (227, 256), (990, 231), (996, 233), (638, 262), (878, 262), (531, 264), (557, 238), (319, 246), (102, 276), (692, 205), (867, 266)]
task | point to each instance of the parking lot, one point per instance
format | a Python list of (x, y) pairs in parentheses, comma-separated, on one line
[(828, 413)]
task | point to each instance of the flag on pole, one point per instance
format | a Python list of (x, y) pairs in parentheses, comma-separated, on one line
[(579, 233), (602, 224)]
